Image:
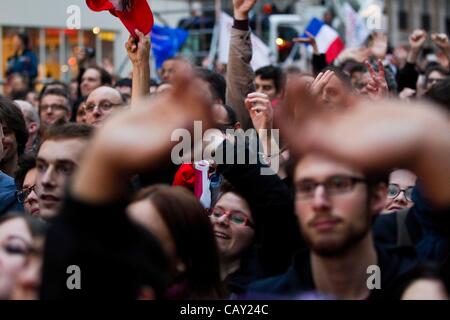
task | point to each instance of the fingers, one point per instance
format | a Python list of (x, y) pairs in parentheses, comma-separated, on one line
[(381, 71), (258, 95), (309, 34), (372, 72), (301, 40), (259, 101)]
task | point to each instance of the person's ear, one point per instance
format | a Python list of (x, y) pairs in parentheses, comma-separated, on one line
[(68, 116), (33, 128), (237, 126), (378, 198)]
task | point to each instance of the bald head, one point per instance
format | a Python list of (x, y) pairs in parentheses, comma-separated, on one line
[(32, 121), (100, 103)]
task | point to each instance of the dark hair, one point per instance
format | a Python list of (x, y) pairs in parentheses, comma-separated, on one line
[(105, 76), (68, 131), (359, 67), (231, 115), (440, 94), (36, 226), (124, 82), (56, 84), (271, 73), (193, 235), (24, 39), (217, 83), (345, 79), (437, 68), (57, 92), (25, 164), (11, 116)]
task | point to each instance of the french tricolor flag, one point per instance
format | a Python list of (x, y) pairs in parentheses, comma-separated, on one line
[(328, 40)]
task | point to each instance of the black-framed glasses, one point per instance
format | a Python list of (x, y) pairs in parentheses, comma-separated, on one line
[(235, 217), (394, 191), (335, 185), (23, 194), (54, 107), (104, 106)]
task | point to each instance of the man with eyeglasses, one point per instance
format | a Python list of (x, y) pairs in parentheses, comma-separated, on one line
[(336, 205), (101, 103), (54, 106)]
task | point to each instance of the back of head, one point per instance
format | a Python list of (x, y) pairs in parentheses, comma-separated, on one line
[(191, 230), (217, 83), (440, 94)]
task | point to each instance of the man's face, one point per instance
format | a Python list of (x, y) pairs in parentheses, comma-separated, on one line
[(56, 162), (91, 80), (334, 94), (100, 104), (266, 86), (54, 108), (9, 144), (336, 217), (167, 71), (360, 81), (435, 77)]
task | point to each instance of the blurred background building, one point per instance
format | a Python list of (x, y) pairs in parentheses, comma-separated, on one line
[(56, 46)]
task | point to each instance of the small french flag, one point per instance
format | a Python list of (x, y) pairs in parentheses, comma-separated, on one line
[(328, 40)]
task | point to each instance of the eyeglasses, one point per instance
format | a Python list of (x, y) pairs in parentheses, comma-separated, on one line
[(54, 107), (334, 186), (394, 191), (235, 217), (23, 194), (104, 106)]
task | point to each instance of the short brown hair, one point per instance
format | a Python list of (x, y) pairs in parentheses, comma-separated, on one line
[(68, 131)]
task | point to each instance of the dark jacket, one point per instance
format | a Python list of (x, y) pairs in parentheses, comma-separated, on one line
[(24, 64), (272, 207), (427, 227), (298, 280), (115, 255), (8, 199)]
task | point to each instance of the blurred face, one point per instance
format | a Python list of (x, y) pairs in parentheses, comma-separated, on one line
[(29, 279), (334, 213), (266, 86), (31, 202), (81, 114), (434, 78), (91, 80), (334, 93), (55, 164), (15, 241), (100, 104), (167, 71), (233, 236), (17, 43), (360, 81), (9, 144), (54, 108), (146, 214), (401, 185)]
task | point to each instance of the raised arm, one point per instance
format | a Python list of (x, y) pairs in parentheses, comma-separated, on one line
[(240, 75)]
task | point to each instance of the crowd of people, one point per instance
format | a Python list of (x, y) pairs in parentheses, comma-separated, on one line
[(359, 208)]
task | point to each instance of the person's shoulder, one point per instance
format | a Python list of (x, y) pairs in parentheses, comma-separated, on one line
[(385, 228), (270, 287), (6, 181)]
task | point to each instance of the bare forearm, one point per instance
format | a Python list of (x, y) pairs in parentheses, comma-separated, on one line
[(141, 82)]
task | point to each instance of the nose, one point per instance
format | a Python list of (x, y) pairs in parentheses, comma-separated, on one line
[(320, 200), (32, 197), (401, 198), (97, 112), (223, 220), (48, 179)]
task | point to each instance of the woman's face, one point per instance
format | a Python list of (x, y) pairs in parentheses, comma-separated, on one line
[(401, 184), (31, 202), (232, 238), (15, 242)]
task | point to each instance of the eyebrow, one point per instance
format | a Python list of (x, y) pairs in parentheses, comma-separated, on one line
[(17, 237), (57, 161)]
